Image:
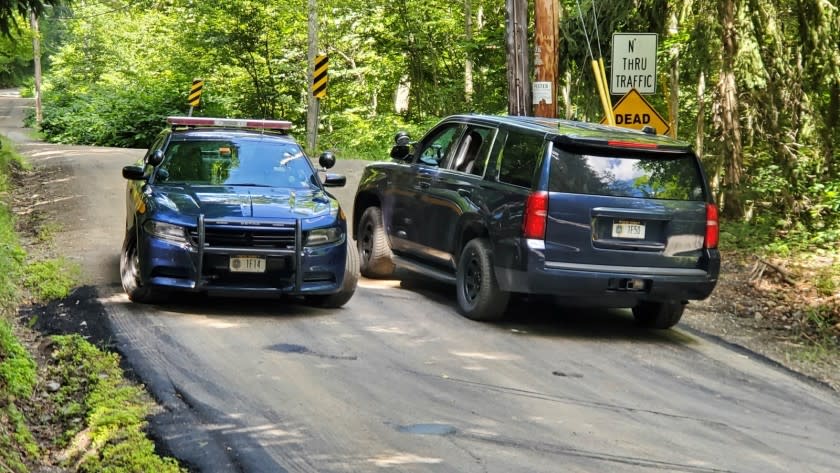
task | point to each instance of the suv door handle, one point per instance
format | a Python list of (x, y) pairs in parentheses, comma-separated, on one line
[(464, 192), (424, 184)]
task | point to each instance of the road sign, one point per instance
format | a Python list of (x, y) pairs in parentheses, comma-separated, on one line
[(319, 78), (194, 98), (633, 63), (633, 111)]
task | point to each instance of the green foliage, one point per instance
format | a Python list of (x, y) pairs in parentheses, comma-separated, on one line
[(92, 386), (12, 256), (17, 370), (358, 137), (51, 279), (17, 444)]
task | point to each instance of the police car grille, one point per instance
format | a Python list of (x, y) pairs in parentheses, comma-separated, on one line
[(236, 238)]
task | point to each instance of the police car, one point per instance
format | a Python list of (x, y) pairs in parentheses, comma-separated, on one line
[(234, 207)]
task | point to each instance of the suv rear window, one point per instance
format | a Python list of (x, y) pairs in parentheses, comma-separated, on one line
[(650, 177)]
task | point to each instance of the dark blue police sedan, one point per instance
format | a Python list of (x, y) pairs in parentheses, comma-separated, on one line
[(234, 207)]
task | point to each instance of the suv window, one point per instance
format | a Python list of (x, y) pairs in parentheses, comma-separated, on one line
[(651, 177), (435, 151), (519, 159), (471, 156)]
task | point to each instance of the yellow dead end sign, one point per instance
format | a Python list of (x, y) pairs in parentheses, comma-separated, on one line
[(633, 111)]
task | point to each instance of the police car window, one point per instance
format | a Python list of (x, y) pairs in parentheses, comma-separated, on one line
[(438, 148), (243, 162)]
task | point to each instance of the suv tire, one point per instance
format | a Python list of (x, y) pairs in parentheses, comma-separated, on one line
[(130, 278), (659, 315), (374, 250), (348, 287), (479, 296)]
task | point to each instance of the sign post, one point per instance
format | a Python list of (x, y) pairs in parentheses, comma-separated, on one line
[(633, 63)]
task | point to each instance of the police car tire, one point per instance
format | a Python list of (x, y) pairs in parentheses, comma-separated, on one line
[(128, 275), (348, 286), (659, 315), (377, 263), (476, 265)]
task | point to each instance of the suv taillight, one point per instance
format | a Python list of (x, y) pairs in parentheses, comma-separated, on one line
[(712, 226), (536, 212)]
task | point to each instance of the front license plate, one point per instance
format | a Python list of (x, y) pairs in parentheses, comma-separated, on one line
[(627, 229), (247, 264)]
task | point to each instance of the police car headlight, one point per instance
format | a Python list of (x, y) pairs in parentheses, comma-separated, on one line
[(323, 236), (166, 231)]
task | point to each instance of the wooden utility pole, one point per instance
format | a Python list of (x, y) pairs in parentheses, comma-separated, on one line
[(313, 103), (546, 19), (36, 52), (516, 42)]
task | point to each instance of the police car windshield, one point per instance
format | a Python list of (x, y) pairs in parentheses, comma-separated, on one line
[(237, 162)]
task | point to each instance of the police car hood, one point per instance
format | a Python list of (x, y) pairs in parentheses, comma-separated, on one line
[(243, 201)]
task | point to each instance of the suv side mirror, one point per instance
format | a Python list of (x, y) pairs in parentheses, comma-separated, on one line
[(326, 160), (156, 158), (401, 149)]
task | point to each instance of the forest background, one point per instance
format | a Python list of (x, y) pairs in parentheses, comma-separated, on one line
[(753, 85)]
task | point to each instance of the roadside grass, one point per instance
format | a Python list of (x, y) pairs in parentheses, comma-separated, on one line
[(93, 388), (100, 414), (51, 278), (810, 305)]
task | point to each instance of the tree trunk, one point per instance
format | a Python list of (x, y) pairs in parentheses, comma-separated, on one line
[(733, 206), (516, 42), (468, 63), (674, 96)]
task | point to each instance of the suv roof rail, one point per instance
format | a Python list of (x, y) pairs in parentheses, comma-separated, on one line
[(229, 123)]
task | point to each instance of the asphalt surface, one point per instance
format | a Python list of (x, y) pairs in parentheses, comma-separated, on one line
[(398, 381)]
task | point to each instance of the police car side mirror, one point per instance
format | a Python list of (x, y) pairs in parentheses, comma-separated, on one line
[(156, 158), (335, 180), (134, 173), (327, 160)]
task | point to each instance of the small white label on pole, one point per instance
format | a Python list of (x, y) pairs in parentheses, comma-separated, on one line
[(633, 63), (541, 92)]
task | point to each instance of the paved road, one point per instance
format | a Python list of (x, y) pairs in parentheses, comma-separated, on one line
[(398, 381)]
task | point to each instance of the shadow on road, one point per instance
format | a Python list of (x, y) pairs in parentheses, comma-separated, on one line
[(534, 316)]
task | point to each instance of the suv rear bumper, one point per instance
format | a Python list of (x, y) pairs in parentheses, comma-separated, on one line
[(610, 285)]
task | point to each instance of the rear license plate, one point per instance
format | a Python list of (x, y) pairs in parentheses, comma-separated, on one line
[(628, 229), (247, 264)]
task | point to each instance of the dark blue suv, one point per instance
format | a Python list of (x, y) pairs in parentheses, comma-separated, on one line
[(234, 207), (585, 213)]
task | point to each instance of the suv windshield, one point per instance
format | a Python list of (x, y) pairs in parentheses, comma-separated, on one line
[(655, 176), (244, 162)]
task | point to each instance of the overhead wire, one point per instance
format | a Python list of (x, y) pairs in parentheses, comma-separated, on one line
[(596, 69)]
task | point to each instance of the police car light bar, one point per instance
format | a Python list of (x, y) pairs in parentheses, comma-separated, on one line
[(230, 122)]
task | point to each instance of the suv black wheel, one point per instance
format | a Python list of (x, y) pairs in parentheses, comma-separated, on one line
[(348, 287), (479, 296), (659, 315), (374, 250), (129, 262)]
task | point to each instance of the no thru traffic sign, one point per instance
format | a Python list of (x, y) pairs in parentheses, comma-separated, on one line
[(633, 63), (633, 111)]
